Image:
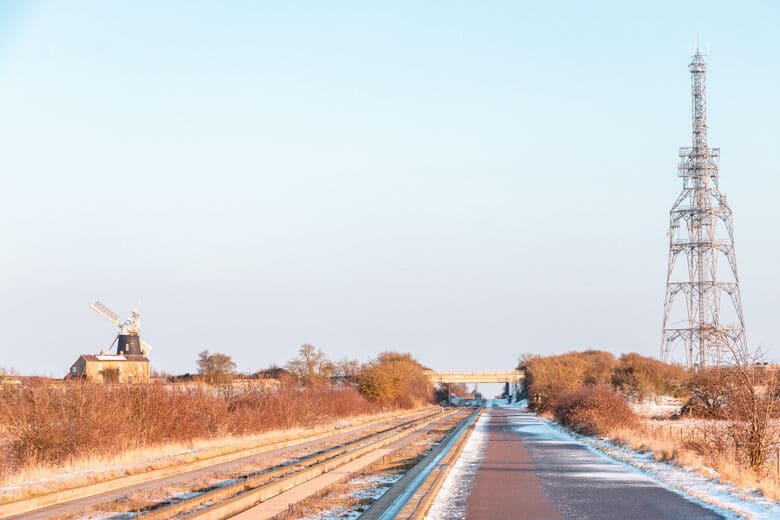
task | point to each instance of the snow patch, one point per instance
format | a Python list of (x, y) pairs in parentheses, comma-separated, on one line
[(371, 487), (661, 406), (451, 502)]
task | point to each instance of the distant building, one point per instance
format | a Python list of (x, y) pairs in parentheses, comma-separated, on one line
[(111, 368)]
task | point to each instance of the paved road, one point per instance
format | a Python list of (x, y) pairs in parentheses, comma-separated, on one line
[(529, 472)]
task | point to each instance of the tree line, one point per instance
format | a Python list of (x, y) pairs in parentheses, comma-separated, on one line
[(390, 379), (46, 423)]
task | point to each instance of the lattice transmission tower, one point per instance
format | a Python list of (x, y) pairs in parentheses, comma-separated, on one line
[(701, 237)]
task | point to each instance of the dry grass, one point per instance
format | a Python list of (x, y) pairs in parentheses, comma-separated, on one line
[(703, 446)]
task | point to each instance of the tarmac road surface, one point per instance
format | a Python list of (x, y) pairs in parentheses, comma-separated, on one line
[(528, 472)]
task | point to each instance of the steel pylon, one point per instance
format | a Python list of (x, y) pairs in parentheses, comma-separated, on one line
[(701, 230)]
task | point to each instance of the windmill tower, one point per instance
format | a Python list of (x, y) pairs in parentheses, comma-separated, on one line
[(703, 305), (128, 338)]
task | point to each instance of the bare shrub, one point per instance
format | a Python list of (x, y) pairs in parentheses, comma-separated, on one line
[(752, 404), (709, 395), (395, 379), (594, 410), (709, 440)]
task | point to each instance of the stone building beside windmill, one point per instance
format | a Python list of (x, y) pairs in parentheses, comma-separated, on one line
[(128, 365)]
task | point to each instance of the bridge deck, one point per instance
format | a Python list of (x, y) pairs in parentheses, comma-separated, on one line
[(474, 376)]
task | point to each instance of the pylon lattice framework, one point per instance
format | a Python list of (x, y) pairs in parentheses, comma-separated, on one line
[(701, 230)]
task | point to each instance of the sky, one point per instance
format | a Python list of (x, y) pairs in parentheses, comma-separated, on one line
[(464, 181)]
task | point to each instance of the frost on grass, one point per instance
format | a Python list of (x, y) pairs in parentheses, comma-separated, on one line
[(99, 515), (371, 487), (452, 500), (368, 488)]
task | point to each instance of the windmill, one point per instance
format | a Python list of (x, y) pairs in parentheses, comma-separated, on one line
[(128, 338)]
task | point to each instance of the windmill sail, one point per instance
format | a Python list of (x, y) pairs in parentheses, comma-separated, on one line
[(104, 311)]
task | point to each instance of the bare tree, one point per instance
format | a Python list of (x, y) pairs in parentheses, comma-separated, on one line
[(751, 403), (216, 368), (754, 404), (347, 370), (311, 366)]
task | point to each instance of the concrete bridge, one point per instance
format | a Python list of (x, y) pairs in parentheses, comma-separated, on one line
[(465, 376)]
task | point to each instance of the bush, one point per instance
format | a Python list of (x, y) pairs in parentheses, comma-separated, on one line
[(552, 376), (639, 377), (395, 379), (708, 395), (594, 410)]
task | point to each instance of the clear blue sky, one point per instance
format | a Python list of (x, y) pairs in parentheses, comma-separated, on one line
[(465, 181)]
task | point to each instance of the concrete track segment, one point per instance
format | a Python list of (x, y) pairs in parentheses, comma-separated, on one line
[(280, 503), (393, 501)]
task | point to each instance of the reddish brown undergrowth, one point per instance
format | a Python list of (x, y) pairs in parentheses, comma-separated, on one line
[(52, 423), (594, 410)]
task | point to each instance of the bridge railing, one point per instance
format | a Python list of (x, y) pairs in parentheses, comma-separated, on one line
[(474, 372), (475, 375)]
